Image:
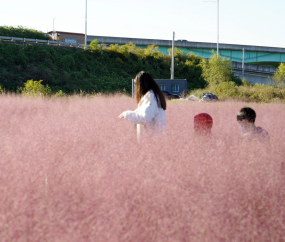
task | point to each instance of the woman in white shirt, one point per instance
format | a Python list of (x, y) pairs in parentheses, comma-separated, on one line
[(150, 114)]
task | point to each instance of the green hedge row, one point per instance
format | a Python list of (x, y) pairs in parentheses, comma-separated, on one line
[(104, 70), (22, 32)]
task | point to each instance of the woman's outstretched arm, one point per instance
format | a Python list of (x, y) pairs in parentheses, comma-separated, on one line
[(145, 113)]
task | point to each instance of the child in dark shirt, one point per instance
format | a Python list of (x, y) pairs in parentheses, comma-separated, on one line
[(246, 118)]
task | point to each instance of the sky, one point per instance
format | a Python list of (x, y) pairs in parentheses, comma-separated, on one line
[(245, 22)]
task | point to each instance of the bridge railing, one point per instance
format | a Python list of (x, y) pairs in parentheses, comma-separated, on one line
[(254, 68), (41, 41)]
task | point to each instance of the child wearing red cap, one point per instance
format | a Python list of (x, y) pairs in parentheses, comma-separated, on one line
[(203, 123)]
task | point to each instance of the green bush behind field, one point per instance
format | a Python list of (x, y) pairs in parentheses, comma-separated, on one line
[(218, 74), (34, 88), (22, 32), (95, 69), (256, 93)]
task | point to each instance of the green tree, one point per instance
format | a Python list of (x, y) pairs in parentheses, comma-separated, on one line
[(176, 50), (218, 70), (35, 88), (130, 47), (279, 76), (94, 45), (153, 50)]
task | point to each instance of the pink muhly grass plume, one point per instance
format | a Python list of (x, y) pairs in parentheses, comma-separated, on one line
[(71, 171)]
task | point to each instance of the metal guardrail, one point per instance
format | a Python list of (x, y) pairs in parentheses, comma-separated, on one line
[(41, 41)]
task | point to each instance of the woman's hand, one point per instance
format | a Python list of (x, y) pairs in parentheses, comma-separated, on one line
[(122, 115)]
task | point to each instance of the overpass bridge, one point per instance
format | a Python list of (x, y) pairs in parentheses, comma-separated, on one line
[(254, 73), (253, 54), (260, 61)]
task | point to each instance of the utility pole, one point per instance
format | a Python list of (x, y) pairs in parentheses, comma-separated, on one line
[(53, 33), (172, 59), (86, 23), (242, 63), (218, 28)]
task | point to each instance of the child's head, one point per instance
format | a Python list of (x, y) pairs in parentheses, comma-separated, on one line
[(246, 113), (246, 118), (203, 123)]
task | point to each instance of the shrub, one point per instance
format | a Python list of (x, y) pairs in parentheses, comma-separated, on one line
[(22, 32), (218, 70), (119, 60), (67, 62), (264, 93), (94, 45), (246, 83), (35, 88), (257, 92), (278, 78), (59, 93), (226, 89)]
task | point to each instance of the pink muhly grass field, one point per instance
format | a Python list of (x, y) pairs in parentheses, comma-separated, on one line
[(71, 171)]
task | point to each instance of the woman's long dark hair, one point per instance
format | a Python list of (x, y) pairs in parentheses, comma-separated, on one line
[(145, 82)]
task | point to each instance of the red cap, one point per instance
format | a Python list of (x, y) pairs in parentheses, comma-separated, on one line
[(203, 122)]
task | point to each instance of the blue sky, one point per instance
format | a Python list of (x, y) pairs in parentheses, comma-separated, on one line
[(249, 22)]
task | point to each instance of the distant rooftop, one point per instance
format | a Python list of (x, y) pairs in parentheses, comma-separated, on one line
[(63, 32)]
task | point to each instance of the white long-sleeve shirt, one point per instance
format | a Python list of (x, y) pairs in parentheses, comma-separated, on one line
[(149, 117)]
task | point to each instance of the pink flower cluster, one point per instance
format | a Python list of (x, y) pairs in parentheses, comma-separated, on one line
[(71, 171)]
